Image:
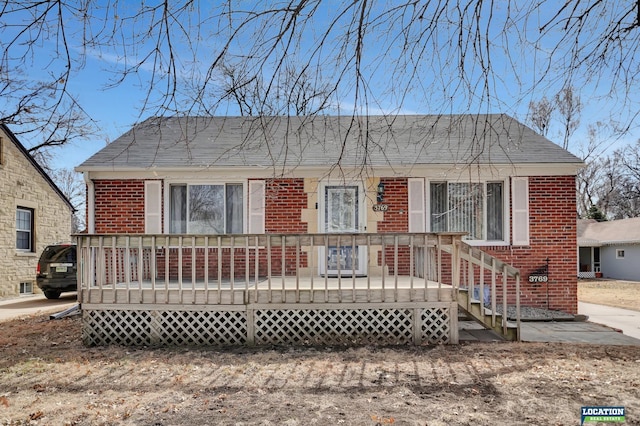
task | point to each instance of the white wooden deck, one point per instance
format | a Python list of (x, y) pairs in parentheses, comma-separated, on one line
[(301, 308)]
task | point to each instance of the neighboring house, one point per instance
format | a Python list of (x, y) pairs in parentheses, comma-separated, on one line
[(512, 190), (610, 249), (33, 213)]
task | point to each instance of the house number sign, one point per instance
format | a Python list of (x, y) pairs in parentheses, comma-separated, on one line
[(380, 207), (538, 278)]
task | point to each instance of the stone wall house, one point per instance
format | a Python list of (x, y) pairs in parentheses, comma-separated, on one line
[(33, 214)]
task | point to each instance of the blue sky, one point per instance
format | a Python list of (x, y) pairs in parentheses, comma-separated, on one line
[(436, 89)]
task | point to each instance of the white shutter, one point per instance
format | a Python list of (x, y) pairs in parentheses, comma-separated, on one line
[(416, 205), (152, 207), (520, 198), (256, 206)]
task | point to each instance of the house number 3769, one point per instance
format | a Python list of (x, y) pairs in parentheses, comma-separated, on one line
[(380, 207)]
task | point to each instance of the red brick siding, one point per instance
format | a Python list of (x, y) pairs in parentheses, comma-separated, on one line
[(552, 228), (396, 196), (396, 219), (552, 232), (284, 201), (119, 206)]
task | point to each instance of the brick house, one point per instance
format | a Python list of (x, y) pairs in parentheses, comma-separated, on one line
[(33, 213), (234, 230), (511, 190)]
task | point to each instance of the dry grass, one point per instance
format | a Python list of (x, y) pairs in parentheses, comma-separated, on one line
[(48, 378), (620, 294)]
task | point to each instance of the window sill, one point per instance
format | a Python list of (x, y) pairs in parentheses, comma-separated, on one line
[(482, 243), (25, 254)]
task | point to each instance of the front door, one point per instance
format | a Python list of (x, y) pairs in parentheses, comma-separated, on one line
[(341, 213)]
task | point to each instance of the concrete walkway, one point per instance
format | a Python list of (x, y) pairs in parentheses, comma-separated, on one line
[(574, 332), (626, 320), (605, 326), (552, 332)]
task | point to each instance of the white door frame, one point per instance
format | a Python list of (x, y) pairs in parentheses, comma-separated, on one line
[(361, 251)]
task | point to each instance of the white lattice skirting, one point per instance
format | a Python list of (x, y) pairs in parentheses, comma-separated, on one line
[(175, 326)]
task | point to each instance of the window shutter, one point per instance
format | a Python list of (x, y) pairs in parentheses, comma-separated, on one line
[(416, 205), (520, 198), (153, 207), (256, 206)]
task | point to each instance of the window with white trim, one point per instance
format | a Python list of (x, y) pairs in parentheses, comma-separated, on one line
[(619, 254), (206, 209), (475, 208), (24, 229)]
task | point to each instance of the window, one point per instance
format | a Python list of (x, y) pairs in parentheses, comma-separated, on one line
[(619, 254), (206, 209), (24, 229), (26, 288), (475, 208)]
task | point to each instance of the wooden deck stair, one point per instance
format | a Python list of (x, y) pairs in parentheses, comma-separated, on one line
[(484, 316)]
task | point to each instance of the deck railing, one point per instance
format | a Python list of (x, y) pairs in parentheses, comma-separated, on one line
[(279, 262), (319, 262), (481, 274), (407, 274)]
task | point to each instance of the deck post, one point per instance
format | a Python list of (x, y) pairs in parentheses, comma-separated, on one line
[(504, 299), (453, 325), (518, 305), (417, 326), (493, 292), (251, 329)]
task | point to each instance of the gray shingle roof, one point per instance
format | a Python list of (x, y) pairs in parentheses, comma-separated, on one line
[(404, 140), (594, 234)]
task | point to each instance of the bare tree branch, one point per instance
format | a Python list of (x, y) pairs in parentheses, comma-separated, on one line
[(353, 57)]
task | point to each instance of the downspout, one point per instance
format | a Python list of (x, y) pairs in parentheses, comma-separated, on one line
[(91, 207)]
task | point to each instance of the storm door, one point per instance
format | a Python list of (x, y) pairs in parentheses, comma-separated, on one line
[(341, 214)]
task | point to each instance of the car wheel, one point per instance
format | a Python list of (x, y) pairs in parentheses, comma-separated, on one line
[(52, 294)]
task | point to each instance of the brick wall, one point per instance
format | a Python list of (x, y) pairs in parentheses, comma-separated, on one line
[(396, 196), (284, 201), (552, 230), (119, 206), (396, 219), (552, 227)]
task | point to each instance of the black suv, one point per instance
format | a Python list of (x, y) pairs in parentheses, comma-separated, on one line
[(57, 270)]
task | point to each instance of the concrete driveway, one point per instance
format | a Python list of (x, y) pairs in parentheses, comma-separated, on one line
[(626, 320), (35, 304)]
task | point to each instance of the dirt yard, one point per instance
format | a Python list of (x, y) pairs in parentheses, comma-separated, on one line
[(621, 294), (48, 378)]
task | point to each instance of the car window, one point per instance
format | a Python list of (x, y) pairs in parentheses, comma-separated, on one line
[(61, 253)]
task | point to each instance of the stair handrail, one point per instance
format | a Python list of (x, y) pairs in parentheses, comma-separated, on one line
[(460, 251)]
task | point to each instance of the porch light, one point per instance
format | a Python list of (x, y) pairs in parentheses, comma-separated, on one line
[(380, 196)]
